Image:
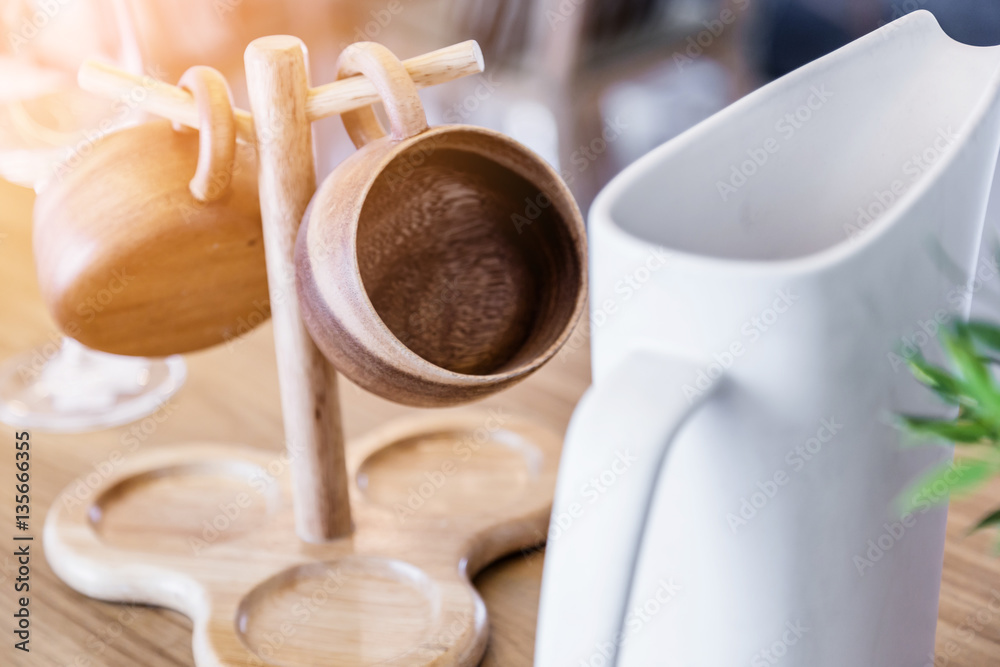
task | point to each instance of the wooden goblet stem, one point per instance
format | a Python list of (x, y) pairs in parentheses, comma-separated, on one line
[(278, 86), (162, 99)]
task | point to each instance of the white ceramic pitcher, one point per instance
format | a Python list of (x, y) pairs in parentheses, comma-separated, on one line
[(727, 485)]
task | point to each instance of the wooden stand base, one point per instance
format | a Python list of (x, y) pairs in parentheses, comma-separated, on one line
[(208, 530)]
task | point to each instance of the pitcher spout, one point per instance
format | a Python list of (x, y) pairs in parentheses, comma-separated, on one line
[(861, 133)]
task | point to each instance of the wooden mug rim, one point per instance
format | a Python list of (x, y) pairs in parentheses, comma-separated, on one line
[(425, 382)]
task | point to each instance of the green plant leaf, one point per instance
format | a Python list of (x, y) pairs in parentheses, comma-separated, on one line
[(938, 379), (985, 333), (937, 486), (988, 521), (976, 381), (964, 431), (962, 353), (972, 353)]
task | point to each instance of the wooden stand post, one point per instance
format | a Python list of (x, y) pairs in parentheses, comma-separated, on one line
[(278, 84)]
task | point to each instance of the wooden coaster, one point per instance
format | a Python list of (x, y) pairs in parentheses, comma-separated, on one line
[(208, 530)]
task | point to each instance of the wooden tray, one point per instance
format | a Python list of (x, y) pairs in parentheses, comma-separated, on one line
[(208, 530)]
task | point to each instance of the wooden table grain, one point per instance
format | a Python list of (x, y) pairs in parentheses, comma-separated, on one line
[(231, 395)]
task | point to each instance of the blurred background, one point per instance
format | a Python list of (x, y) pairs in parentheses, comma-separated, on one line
[(589, 84)]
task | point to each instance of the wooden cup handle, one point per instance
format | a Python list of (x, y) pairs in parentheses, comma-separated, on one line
[(217, 132), (394, 85)]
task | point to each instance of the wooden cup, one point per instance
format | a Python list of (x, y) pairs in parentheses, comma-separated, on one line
[(152, 244), (437, 265)]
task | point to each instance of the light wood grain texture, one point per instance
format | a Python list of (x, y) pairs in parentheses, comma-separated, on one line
[(216, 132), (278, 85), (208, 530), (170, 102), (232, 396), (437, 265), (131, 262)]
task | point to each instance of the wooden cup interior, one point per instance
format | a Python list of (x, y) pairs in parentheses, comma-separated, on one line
[(467, 261)]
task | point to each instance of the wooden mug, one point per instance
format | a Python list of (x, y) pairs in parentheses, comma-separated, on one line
[(137, 257), (437, 265)]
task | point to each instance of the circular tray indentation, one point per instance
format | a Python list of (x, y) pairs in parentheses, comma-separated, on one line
[(185, 508), (350, 612), (451, 472)]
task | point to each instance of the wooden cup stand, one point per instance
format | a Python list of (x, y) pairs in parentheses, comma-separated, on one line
[(259, 550)]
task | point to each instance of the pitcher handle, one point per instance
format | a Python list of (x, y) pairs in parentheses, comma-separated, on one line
[(634, 412)]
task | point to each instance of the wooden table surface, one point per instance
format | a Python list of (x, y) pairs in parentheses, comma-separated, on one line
[(231, 395)]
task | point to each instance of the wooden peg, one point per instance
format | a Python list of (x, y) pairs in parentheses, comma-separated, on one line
[(447, 64)]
